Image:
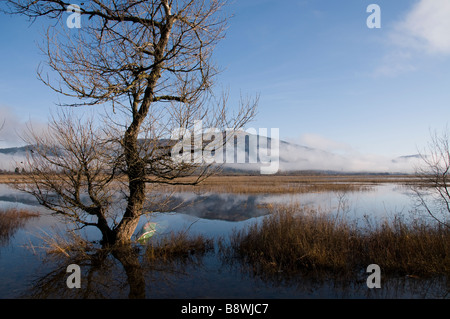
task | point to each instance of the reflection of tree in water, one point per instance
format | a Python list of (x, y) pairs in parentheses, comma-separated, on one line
[(127, 273), (129, 258), (118, 273), (97, 271)]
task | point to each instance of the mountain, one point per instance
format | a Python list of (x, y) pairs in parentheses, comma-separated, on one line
[(15, 150), (403, 159), (292, 158), (9, 157)]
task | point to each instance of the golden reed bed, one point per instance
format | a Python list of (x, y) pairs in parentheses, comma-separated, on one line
[(274, 184)]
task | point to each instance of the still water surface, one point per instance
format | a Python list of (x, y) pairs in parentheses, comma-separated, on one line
[(25, 272)]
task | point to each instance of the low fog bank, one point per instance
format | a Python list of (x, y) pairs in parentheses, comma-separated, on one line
[(9, 162), (292, 157)]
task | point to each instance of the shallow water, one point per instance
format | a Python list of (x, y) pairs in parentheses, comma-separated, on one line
[(25, 272)]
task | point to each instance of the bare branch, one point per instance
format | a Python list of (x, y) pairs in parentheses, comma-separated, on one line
[(151, 63)]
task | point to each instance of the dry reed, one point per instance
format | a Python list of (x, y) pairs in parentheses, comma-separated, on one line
[(274, 185), (177, 246), (11, 220), (293, 240)]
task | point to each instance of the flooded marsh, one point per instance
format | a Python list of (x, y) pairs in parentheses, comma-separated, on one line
[(192, 253)]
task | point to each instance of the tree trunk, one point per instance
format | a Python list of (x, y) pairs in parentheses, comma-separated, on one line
[(130, 220), (136, 186), (135, 164), (108, 235)]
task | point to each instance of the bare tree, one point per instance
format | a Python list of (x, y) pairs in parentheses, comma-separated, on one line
[(150, 64), (71, 171), (433, 188)]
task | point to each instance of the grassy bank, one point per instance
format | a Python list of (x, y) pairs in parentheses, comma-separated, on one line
[(277, 184), (293, 240), (273, 184)]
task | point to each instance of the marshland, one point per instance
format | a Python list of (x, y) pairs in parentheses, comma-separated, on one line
[(292, 236)]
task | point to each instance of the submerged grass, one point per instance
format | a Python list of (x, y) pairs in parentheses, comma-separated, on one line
[(11, 220), (178, 245), (292, 240), (163, 249), (414, 248), (67, 243)]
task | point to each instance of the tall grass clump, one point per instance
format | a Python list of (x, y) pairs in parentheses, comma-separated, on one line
[(295, 240), (68, 244), (11, 220), (177, 246), (289, 240), (415, 247)]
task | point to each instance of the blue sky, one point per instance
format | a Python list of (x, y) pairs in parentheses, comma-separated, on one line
[(325, 79)]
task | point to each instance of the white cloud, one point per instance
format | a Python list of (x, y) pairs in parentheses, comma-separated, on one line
[(423, 32), (425, 27), (14, 127)]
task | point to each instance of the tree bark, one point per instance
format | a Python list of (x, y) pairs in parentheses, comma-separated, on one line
[(136, 186), (136, 166), (108, 235)]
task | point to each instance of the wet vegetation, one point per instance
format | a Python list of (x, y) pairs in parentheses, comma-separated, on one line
[(114, 272), (293, 240), (177, 246), (293, 248), (11, 220), (273, 184), (287, 184)]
